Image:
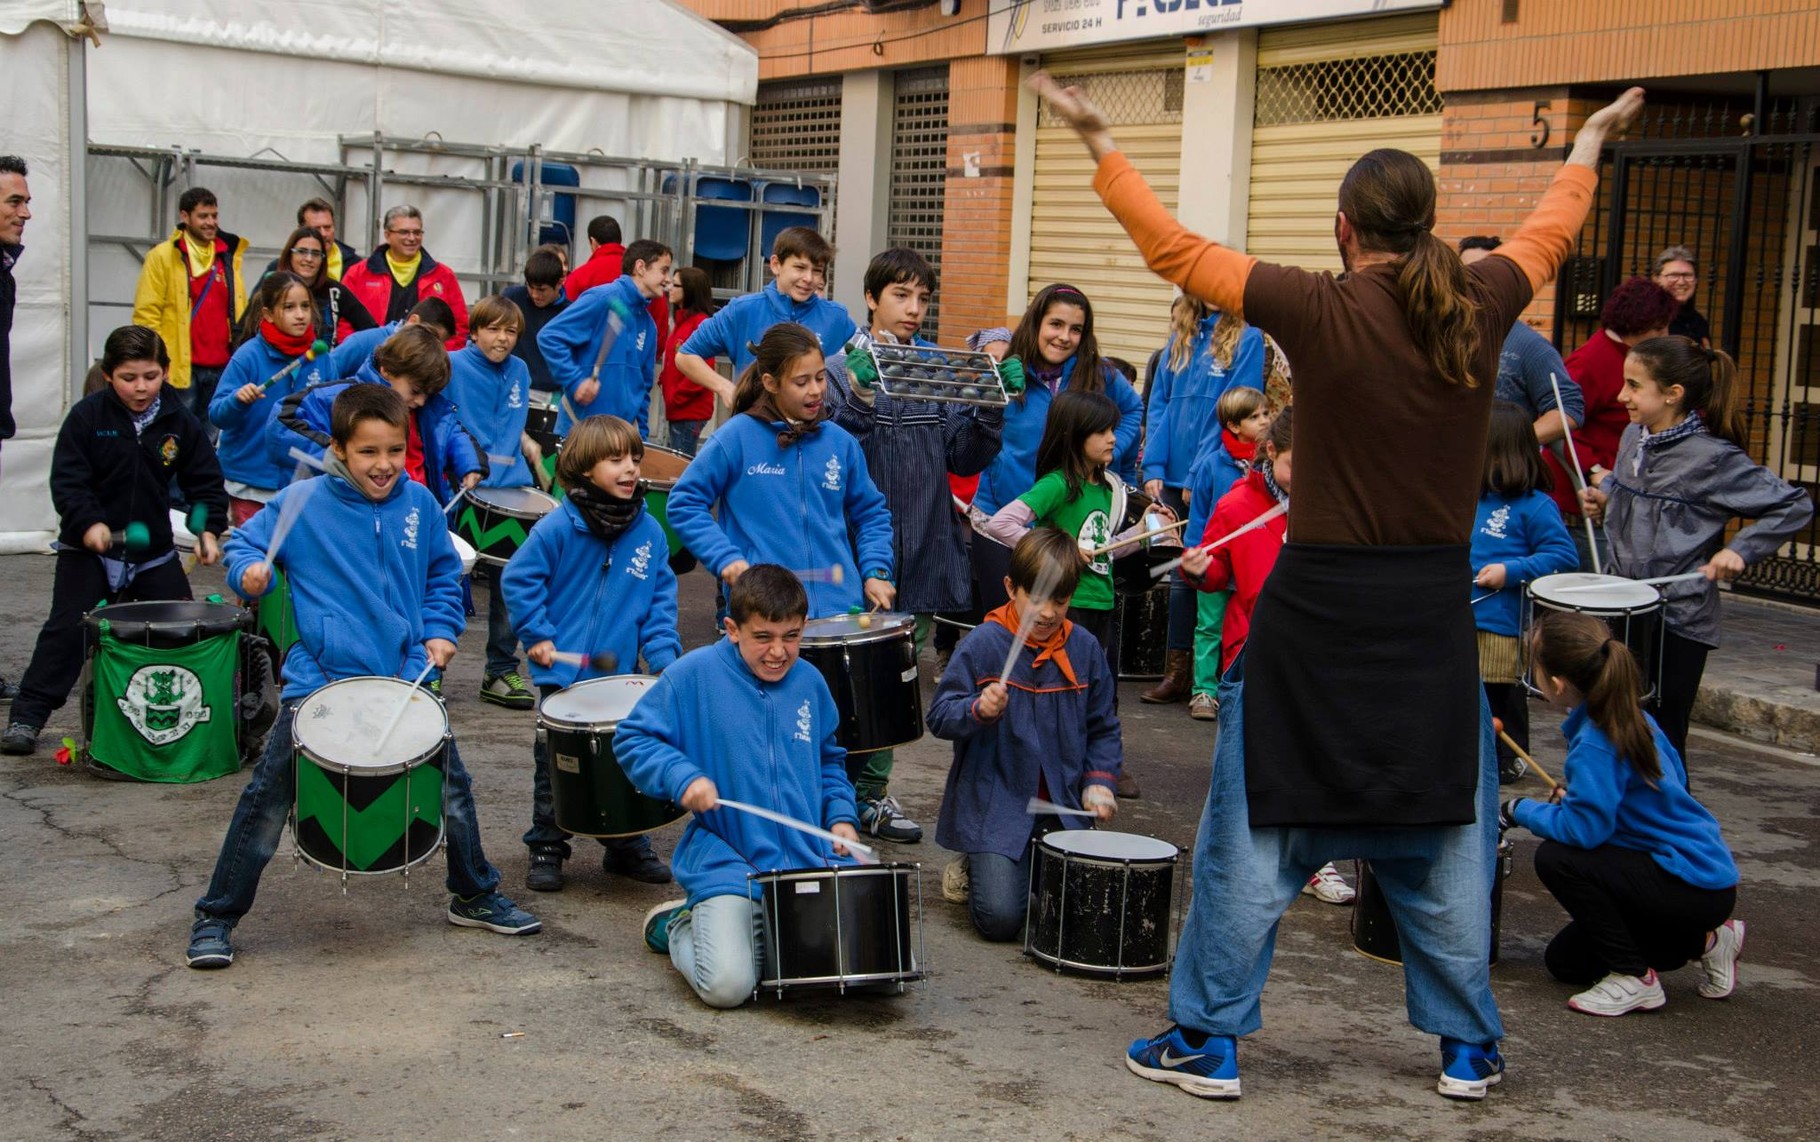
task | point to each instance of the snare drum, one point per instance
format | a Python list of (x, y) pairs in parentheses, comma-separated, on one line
[(1131, 563), (496, 521), (589, 793), (872, 673), (1633, 611), (465, 552), (540, 426), (1144, 633), (364, 806), (1100, 902), (163, 696), (852, 926), (1374, 929), (658, 472)]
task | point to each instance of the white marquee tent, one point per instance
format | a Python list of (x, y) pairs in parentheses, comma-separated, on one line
[(642, 79)]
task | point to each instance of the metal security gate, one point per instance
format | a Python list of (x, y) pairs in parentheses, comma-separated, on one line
[(919, 170), (1749, 209), (796, 126)]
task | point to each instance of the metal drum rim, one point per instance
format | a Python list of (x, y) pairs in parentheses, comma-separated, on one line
[(477, 497), (548, 721), (1074, 855), (885, 625), (387, 770)]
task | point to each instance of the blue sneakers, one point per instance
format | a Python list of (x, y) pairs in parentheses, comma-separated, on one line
[(657, 925), (493, 911), (1208, 1071), (210, 945), (1469, 1070)]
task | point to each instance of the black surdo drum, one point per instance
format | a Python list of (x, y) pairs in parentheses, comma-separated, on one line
[(851, 926), (870, 664), (1100, 902)]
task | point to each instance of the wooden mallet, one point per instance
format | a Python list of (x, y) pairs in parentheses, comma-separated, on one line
[(1498, 725)]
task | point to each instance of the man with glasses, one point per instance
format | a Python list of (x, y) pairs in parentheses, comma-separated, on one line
[(400, 273), (319, 215), (1678, 272)]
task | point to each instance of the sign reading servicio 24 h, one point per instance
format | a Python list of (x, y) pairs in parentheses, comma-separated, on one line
[(1034, 25)]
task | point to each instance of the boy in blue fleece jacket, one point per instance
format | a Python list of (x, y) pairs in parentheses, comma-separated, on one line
[(1049, 730), (349, 357), (377, 589), (792, 488), (799, 263), (592, 578), (491, 392), (440, 453), (618, 383), (746, 718), (1637, 863)]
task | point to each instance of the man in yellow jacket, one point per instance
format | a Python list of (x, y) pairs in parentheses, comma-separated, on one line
[(192, 292)]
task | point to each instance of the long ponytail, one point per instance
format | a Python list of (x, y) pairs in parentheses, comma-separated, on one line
[(1709, 377), (1580, 649)]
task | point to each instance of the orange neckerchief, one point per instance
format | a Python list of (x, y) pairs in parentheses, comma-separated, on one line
[(1055, 646)]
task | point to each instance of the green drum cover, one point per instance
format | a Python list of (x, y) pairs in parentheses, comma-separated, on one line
[(393, 821), (166, 714), (658, 504), (467, 525), (277, 618)]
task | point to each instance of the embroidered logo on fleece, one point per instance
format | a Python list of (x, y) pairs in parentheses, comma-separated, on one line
[(802, 723), (831, 474), (764, 469), (513, 399), (410, 530), (640, 565), (1496, 522)]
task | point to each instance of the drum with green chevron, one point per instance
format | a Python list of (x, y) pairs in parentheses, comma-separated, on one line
[(277, 619), (369, 768), (496, 521)]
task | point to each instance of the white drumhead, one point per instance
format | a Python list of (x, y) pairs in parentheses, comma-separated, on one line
[(182, 538), (465, 550), (848, 628), (598, 702), (1108, 845), (523, 503), (341, 723), (1593, 592)]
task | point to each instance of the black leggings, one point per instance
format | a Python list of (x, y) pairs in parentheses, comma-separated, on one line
[(1509, 703), (1103, 625), (1683, 662), (1629, 913)]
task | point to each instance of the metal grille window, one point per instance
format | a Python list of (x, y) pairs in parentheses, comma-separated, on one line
[(796, 126), (1371, 87), (919, 169), (1146, 97)]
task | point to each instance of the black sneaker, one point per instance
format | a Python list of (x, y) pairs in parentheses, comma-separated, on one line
[(884, 818), (508, 690), (8, 690), (19, 738), (636, 861), (210, 944), (493, 911), (1511, 770), (545, 874)]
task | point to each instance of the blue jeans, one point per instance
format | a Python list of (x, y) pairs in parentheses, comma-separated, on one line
[(685, 435), (1437, 881), (265, 804), (716, 946), (502, 640), (543, 833)]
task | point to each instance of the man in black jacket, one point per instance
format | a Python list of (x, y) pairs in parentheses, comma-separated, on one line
[(15, 211), (116, 456)]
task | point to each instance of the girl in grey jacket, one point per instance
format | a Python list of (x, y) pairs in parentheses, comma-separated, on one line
[(1680, 477)]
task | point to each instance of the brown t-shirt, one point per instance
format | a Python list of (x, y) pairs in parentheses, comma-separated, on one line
[(1386, 452)]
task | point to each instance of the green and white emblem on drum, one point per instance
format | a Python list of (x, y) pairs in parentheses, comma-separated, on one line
[(163, 703)]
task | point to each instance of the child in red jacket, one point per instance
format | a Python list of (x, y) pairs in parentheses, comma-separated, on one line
[(687, 406), (1244, 564)]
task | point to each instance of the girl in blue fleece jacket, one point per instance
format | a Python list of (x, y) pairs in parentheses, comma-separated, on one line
[(279, 329), (747, 718), (618, 384), (593, 577), (792, 488), (1518, 536), (1636, 861)]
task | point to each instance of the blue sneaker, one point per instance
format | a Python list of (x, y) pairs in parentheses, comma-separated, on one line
[(493, 911), (657, 925), (1469, 1070), (1208, 1071), (210, 946)]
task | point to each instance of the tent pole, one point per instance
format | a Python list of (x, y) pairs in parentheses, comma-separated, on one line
[(76, 207)]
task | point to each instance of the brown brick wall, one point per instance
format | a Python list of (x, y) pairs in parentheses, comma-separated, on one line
[(844, 41), (1606, 41), (976, 223)]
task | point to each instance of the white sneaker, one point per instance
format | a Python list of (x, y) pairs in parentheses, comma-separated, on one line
[(1327, 885), (1720, 963), (957, 881), (1204, 708), (1620, 994)]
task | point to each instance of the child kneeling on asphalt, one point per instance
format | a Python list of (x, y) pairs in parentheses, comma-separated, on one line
[(1047, 729), (742, 717)]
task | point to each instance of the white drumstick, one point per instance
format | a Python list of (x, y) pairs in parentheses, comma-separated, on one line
[(461, 495), (1659, 581), (398, 714), (1163, 569), (1038, 806), (305, 460), (1573, 457), (1481, 598), (799, 826), (1140, 537), (1045, 586), (287, 519)]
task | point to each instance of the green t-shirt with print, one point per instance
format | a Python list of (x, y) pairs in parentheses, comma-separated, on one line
[(1088, 518)]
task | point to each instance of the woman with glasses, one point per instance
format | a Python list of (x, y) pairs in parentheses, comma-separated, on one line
[(1678, 272), (340, 311)]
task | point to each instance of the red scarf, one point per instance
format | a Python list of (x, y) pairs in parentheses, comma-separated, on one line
[(1055, 646), (1236, 448), (285, 343)]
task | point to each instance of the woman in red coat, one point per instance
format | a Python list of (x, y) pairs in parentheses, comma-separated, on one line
[(687, 406)]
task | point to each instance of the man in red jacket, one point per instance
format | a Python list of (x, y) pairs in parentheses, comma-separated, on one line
[(606, 254), (401, 273)]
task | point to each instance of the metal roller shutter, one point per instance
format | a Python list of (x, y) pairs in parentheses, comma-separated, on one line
[(919, 170), (1326, 94), (1072, 237), (796, 126)]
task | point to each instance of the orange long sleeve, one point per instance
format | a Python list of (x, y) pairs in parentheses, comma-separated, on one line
[(1203, 269), (1547, 236)]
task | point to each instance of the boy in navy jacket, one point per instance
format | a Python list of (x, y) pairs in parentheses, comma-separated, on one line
[(112, 468), (799, 263), (600, 369), (593, 577), (541, 300), (746, 718), (491, 391), (377, 588), (1049, 730)]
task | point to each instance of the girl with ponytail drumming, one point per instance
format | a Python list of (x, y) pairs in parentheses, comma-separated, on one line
[(1636, 861), (1680, 477), (791, 487)]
